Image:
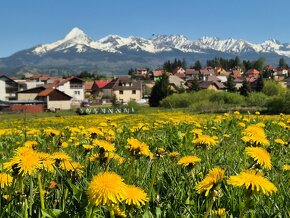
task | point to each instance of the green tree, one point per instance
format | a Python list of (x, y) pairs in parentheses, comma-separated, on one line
[(194, 85), (282, 63), (159, 91), (131, 72), (197, 65), (230, 84), (260, 83), (259, 64), (245, 89)]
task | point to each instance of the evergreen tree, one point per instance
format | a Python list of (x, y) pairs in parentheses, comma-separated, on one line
[(131, 72), (195, 85), (245, 89), (259, 83), (197, 65), (282, 63), (259, 64), (230, 84), (159, 91)]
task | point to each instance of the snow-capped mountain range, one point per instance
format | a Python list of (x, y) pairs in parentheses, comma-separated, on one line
[(115, 54), (78, 40)]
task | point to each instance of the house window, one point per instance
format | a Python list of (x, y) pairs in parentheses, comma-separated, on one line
[(77, 92), (133, 92), (121, 92)]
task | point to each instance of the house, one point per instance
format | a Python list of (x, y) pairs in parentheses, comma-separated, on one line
[(212, 85), (97, 88), (54, 98), (205, 73), (176, 83), (157, 74), (71, 86), (51, 97), (141, 71), (8, 88), (287, 82), (88, 88), (191, 74), (253, 73), (124, 88)]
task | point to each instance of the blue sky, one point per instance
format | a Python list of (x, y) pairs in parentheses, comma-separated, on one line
[(26, 23)]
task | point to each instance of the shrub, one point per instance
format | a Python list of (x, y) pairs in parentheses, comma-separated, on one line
[(279, 104), (273, 88), (257, 99), (227, 98)]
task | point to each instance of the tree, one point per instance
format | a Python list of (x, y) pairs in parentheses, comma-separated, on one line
[(197, 65), (260, 83), (159, 91), (259, 64), (245, 89), (230, 84), (131, 72), (194, 85), (282, 63)]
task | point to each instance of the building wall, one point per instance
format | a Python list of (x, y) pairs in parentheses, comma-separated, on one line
[(26, 96), (75, 93), (27, 108), (2, 90), (127, 95), (63, 105)]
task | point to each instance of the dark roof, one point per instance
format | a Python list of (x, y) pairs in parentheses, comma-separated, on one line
[(206, 84), (8, 78), (119, 84), (33, 90)]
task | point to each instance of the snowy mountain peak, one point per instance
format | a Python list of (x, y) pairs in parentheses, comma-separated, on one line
[(77, 40), (75, 33)]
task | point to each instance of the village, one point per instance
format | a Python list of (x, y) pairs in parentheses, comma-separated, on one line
[(41, 92)]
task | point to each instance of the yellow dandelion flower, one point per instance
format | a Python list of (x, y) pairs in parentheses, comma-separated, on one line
[(280, 141), (64, 144), (286, 167), (255, 135), (205, 140), (188, 160), (30, 144), (218, 212), (236, 113), (197, 131), (257, 113), (260, 155), (5, 180), (88, 147), (138, 148), (254, 181), (118, 212), (243, 125), (214, 176), (60, 156), (174, 154), (282, 124), (70, 166), (106, 189), (107, 146), (26, 161), (135, 196)]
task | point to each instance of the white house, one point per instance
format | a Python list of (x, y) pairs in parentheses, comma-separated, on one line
[(8, 88), (73, 87)]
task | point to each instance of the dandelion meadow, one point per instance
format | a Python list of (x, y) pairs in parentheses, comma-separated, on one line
[(158, 165)]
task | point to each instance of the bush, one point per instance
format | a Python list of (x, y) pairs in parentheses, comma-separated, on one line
[(273, 88), (279, 104), (207, 106), (185, 99), (227, 98), (257, 99)]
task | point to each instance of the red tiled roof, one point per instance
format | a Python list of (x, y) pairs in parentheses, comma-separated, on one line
[(157, 73), (253, 72), (101, 83), (89, 85), (45, 92)]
